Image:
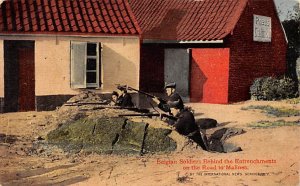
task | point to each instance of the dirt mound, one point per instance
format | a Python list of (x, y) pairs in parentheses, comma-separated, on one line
[(86, 96), (93, 128), (111, 136)]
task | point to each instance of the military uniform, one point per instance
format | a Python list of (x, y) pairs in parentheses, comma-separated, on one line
[(125, 100), (172, 100), (186, 125)]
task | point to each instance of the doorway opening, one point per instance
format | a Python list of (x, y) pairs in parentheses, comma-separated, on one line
[(19, 76)]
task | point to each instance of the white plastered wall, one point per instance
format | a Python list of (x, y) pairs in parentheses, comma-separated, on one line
[(120, 62), (52, 67)]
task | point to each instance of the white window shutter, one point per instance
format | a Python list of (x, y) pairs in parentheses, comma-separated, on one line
[(78, 65)]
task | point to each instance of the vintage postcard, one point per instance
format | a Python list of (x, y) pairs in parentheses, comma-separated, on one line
[(149, 92)]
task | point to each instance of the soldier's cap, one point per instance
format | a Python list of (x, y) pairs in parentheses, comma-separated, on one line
[(114, 93), (170, 85), (176, 104)]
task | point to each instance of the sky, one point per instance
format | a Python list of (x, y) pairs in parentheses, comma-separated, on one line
[(285, 7)]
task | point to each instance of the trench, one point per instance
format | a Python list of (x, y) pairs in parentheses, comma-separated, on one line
[(217, 141), (218, 134)]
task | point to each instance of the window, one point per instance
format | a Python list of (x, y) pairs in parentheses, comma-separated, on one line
[(85, 65)]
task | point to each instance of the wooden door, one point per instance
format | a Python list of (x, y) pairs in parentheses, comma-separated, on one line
[(209, 75), (177, 69), (26, 100), (152, 68)]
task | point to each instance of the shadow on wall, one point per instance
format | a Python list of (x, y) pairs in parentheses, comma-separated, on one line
[(169, 22), (198, 79), (118, 69)]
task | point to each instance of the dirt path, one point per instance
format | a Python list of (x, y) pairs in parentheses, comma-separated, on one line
[(22, 164)]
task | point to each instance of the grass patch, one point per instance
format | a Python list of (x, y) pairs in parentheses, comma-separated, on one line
[(269, 124), (278, 112), (293, 101)]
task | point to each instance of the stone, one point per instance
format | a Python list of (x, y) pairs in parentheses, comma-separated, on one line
[(217, 141), (206, 123), (229, 147)]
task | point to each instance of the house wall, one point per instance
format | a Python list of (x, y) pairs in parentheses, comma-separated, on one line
[(120, 58), (249, 59), (52, 67), (120, 64)]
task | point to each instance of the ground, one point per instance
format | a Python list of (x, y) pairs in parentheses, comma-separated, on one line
[(22, 163)]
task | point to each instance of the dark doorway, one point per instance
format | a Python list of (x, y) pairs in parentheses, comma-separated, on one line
[(152, 68), (19, 78)]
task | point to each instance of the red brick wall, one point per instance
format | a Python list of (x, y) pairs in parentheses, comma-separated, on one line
[(249, 59), (209, 75)]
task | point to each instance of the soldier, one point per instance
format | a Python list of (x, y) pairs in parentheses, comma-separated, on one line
[(173, 98), (186, 125), (124, 99), (114, 99)]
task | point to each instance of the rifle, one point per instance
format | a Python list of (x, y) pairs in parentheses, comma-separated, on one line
[(135, 109), (150, 115), (144, 93)]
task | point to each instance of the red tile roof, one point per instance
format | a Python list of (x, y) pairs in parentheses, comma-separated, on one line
[(59, 16), (187, 19)]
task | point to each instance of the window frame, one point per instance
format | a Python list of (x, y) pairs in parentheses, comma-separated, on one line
[(99, 68), (97, 57)]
